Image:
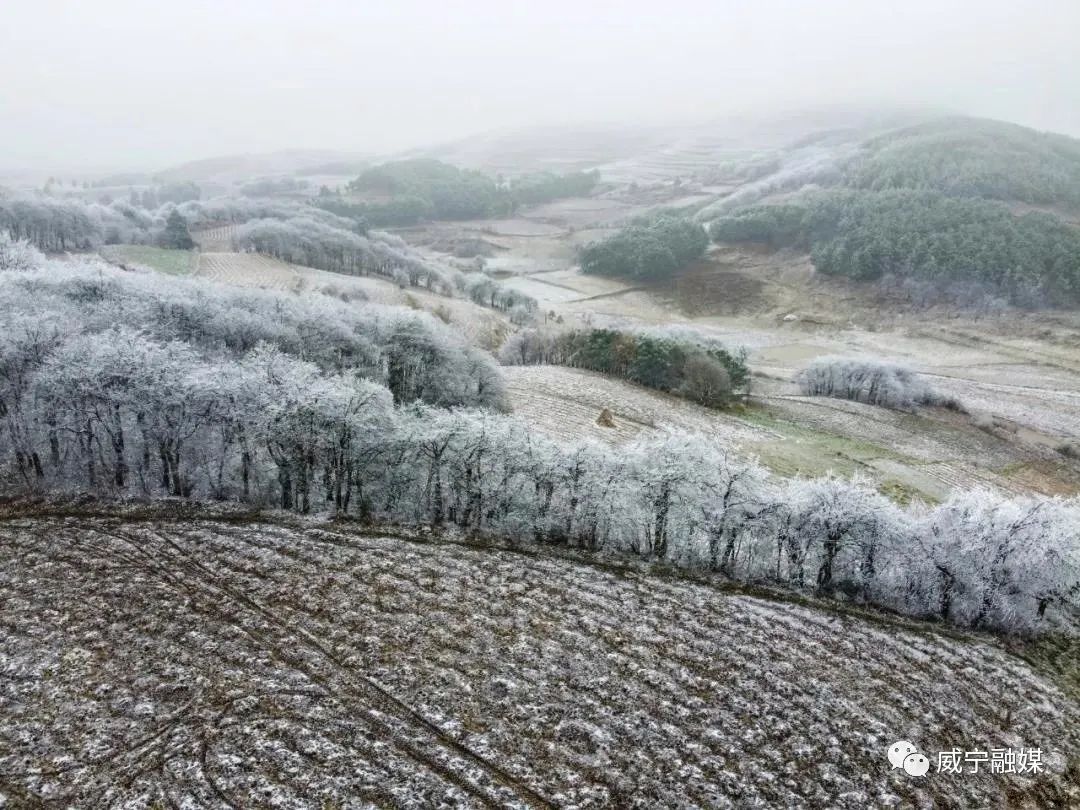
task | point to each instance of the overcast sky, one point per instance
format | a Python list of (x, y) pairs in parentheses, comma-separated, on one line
[(146, 84)]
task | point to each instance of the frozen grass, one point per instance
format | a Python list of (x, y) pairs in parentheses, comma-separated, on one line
[(909, 455), (218, 663), (163, 260), (565, 402)]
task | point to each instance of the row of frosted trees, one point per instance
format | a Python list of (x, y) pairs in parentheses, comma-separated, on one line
[(113, 414), (57, 226), (287, 230), (312, 243), (309, 404)]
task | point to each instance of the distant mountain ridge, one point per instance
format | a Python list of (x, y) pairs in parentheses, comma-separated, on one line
[(243, 166)]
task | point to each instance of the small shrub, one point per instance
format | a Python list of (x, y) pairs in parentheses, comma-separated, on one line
[(706, 381), (18, 254), (1069, 450)]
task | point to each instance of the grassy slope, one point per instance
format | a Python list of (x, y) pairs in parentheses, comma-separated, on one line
[(173, 262), (922, 455)]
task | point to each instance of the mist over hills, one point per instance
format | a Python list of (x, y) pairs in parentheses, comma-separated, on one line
[(584, 146), (587, 405)]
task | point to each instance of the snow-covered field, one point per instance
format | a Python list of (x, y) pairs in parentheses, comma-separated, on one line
[(220, 663), (565, 403), (1023, 393), (926, 454)]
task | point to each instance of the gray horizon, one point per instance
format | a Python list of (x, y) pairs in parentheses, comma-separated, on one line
[(115, 85)]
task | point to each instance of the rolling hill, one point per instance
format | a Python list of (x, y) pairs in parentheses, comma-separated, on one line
[(229, 168)]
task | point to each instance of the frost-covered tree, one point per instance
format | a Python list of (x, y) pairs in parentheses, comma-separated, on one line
[(58, 226), (175, 234), (678, 361), (124, 384), (832, 534), (312, 242), (874, 382), (991, 562), (18, 254)]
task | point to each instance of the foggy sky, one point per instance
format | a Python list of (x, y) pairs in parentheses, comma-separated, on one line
[(130, 83)]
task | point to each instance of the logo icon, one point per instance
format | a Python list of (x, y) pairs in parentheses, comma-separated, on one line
[(903, 754)]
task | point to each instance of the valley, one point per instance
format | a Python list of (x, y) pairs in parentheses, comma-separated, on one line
[(491, 474)]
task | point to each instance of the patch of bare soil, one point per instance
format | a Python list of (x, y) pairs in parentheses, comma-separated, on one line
[(709, 288)]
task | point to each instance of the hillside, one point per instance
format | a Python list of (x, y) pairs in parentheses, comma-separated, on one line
[(1016, 371), (973, 158), (660, 153), (975, 248), (925, 455), (229, 168), (942, 209), (969, 212), (608, 568), (221, 663), (481, 325)]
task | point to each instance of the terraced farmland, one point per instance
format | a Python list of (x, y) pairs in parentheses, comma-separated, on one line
[(219, 663), (248, 269), (215, 240)]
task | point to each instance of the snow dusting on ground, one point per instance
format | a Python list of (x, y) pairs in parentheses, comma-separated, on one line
[(216, 663)]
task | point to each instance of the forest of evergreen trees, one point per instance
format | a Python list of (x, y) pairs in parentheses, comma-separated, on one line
[(452, 192), (406, 192), (397, 212), (965, 157), (928, 206), (1033, 259), (541, 187), (698, 369), (648, 249)]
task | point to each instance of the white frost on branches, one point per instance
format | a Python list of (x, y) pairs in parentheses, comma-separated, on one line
[(308, 403), (874, 382)]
